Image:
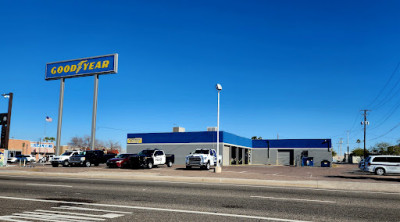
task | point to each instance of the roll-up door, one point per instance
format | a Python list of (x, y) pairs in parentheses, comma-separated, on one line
[(284, 157)]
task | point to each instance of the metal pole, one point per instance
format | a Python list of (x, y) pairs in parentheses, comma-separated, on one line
[(94, 115), (348, 148), (218, 132), (365, 133), (60, 112), (8, 120)]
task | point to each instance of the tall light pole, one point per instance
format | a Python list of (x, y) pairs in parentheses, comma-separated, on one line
[(218, 167), (8, 121)]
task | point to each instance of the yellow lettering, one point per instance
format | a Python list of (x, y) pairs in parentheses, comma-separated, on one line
[(85, 65), (60, 69), (73, 68), (98, 65), (53, 70), (66, 68), (91, 65), (105, 64)]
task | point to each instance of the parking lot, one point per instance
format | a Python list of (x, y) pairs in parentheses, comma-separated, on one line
[(339, 172)]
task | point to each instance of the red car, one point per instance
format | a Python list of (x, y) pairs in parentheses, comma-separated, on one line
[(120, 161)]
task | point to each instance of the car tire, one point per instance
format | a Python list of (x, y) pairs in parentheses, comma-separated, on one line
[(169, 164), (88, 164), (54, 164), (380, 171), (65, 163), (207, 167), (149, 165)]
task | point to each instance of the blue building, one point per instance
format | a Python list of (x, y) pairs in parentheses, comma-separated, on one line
[(234, 149)]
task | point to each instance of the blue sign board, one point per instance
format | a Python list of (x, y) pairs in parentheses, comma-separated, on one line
[(82, 67)]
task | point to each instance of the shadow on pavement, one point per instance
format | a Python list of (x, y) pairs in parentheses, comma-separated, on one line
[(390, 179), (191, 169)]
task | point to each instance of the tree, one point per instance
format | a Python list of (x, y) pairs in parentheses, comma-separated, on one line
[(380, 148), (334, 153), (359, 152), (83, 143), (256, 138)]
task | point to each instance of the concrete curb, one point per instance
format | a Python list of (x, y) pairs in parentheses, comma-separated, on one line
[(315, 184)]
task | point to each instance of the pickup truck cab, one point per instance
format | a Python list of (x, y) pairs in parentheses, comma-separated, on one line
[(63, 159), (203, 158), (150, 158), (89, 157)]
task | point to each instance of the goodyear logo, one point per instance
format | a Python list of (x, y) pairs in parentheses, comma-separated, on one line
[(134, 140), (82, 67)]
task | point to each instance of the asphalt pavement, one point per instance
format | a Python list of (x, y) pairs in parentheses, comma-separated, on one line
[(29, 198)]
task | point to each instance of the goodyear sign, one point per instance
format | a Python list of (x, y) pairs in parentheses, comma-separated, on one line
[(135, 140), (82, 67)]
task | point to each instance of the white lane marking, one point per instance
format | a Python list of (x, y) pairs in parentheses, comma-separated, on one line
[(47, 185), (156, 209), (90, 209), (221, 184), (81, 214), (58, 216), (8, 218), (30, 217), (293, 199)]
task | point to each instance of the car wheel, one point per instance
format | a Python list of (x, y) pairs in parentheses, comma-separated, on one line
[(169, 164), (88, 164), (66, 163), (149, 165), (207, 166), (54, 164), (380, 171)]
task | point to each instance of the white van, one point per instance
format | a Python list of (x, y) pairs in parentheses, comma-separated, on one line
[(381, 165)]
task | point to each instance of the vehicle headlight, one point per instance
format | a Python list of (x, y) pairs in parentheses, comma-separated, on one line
[(83, 158)]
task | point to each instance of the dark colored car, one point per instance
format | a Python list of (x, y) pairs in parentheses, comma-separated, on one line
[(120, 161), (89, 157)]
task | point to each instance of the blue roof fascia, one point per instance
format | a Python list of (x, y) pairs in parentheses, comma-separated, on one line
[(293, 143), (192, 137)]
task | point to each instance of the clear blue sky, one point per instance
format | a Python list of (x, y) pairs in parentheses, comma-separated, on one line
[(302, 69)]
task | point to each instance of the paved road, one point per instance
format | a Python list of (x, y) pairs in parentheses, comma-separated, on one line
[(63, 199)]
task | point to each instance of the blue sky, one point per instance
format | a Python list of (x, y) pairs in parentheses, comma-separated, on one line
[(300, 69)]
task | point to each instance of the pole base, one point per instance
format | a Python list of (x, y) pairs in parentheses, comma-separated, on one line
[(217, 169)]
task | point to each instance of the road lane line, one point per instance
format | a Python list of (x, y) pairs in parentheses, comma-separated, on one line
[(66, 217), (221, 184), (294, 199), (32, 217), (157, 209), (8, 218), (81, 214), (90, 209), (47, 185)]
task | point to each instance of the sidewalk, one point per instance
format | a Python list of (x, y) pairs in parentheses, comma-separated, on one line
[(339, 177)]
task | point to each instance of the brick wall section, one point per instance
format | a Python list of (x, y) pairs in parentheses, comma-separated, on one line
[(20, 145)]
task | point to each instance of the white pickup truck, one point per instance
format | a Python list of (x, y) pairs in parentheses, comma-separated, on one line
[(63, 159), (203, 158)]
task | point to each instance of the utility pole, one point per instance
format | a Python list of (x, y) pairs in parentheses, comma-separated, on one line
[(365, 123), (348, 148), (340, 146)]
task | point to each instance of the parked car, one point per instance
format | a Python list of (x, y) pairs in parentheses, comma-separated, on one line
[(89, 157), (381, 165), (361, 164), (203, 158), (18, 158), (120, 161), (63, 159), (31, 158), (151, 157)]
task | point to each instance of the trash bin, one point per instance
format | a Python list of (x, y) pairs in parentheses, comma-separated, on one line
[(325, 163)]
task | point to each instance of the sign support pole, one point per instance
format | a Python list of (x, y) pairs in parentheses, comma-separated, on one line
[(94, 115), (60, 112)]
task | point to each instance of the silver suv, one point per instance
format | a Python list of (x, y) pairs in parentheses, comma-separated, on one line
[(381, 165)]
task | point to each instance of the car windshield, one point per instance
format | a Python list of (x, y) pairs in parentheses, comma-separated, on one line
[(146, 152), (67, 153), (201, 151), (122, 155)]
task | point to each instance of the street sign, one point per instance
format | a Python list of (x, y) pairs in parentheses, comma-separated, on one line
[(105, 64)]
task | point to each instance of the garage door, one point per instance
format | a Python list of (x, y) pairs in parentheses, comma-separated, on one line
[(284, 158)]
